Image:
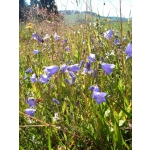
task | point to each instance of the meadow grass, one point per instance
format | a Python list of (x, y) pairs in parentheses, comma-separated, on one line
[(82, 124)]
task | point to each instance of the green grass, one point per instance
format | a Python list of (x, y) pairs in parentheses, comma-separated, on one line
[(87, 126)]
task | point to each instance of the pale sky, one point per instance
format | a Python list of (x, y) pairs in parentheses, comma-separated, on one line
[(111, 7)]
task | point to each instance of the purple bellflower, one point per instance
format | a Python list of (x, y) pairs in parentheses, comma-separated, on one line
[(91, 57), (74, 68), (36, 51), (33, 78), (99, 97), (108, 68), (51, 70), (94, 88), (31, 102), (73, 78), (108, 34), (63, 68), (128, 51), (55, 101), (67, 48), (116, 41), (44, 78), (30, 112), (56, 37), (87, 68), (81, 63), (29, 70), (35, 36)]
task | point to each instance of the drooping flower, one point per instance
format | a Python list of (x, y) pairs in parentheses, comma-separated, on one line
[(108, 34), (31, 102), (87, 68), (74, 68), (55, 101), (29, 70), (116, 41), (51, 70), (30, 112), (56, 37), (65, 40), (63, 68), (33, 78), (81, 63), (94, 88), (99, 97), (108, 68), (128, 51), (36, 36), (91, 57), (36, 51), (95, 72), (73, 78), (43, 78), (67, 48)]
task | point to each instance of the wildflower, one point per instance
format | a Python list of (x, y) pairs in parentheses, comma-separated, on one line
[(63, 68), (128, 51), (30, 112), (73, 78), (29, 70), (29, 26), (56, 37), (91, 58), (36, 51), (51, 70), (108, 68), (67, 48), (94, 88), (31, 102), (99, 97), (74, 68), (33, 78), (88, 68), (43, 78), (55, 101), (65, 40), (102, 59), (35, 36), (81, 63), (108, 34), (116, 41), (56, 118), (95, 72)]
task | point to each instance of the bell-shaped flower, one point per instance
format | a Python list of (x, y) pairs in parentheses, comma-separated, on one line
[(128, 51), (36, 51), (73, 78), (63, 68), (56, 37), (95, 73), (116, 41), (44, 78), (74, 68), (51, 69), (33, 78), (67, 48), (87, 68), (30, 112), (108, 34), (55, 101), (99, 97), (108, 68), (91, 57), (36, 36), (31, 102), (94, 88), (81, 63), (29, 70)]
